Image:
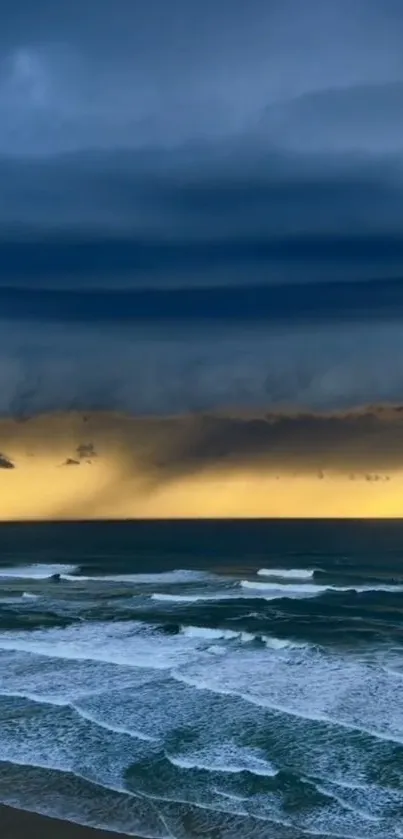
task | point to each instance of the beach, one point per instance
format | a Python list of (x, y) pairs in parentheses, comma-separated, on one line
[(18, 824)]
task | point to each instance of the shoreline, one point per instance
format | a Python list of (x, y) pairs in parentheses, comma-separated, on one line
[(17, 824)]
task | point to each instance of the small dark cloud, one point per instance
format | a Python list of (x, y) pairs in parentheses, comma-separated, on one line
[(86, 451), (6, 463)]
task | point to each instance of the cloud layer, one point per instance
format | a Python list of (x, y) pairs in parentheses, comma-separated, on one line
[(165, 143), (137, 74), (201, 205), (206, 216), (192, 367)]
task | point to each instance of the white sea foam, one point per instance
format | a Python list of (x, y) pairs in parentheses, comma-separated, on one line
[(308, 684), (178, 576), (287, 573), (130, 644), (278, 590), (273, 591), (191, 598), (36, 742), (358, 800), (28, 595), (280, 643), (265, 591), (206, 695), (303, 681), (38, 571), (304, 684), (10, 601), (127, 644), (112, 727), (62, 681), (34, 697), (206, 633), (225, 758)]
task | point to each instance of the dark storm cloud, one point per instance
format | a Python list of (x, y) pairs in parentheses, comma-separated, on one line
[(365, 443), (233, 188), (370, 439), (256, 260), (219, 144), (204, 215), (238, 304), (213, 103), (161, 369)]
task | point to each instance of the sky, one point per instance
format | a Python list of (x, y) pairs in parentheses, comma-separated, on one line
[(201, 212)]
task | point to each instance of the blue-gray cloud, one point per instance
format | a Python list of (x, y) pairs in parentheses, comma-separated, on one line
[(203, 215), (162, 370), (185, 143), (163, 166), (138, 73)]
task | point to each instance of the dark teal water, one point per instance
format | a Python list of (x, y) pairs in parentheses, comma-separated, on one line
[(215, 679)]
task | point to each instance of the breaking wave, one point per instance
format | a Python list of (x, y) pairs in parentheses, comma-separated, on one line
[(37, 571), (287, 573), (277, 590)]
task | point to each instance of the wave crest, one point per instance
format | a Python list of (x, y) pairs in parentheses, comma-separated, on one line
[(287, 573), (36, 571)]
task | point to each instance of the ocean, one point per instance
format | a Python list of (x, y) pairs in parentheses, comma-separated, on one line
[(215, 679)]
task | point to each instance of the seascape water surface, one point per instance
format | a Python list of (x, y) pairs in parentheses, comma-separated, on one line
[(217, 679)]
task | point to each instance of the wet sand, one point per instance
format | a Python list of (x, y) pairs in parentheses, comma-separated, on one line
[(18, 824)]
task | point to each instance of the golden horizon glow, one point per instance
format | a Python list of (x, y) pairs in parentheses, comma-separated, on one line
[(73, 494), (41, 488)]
